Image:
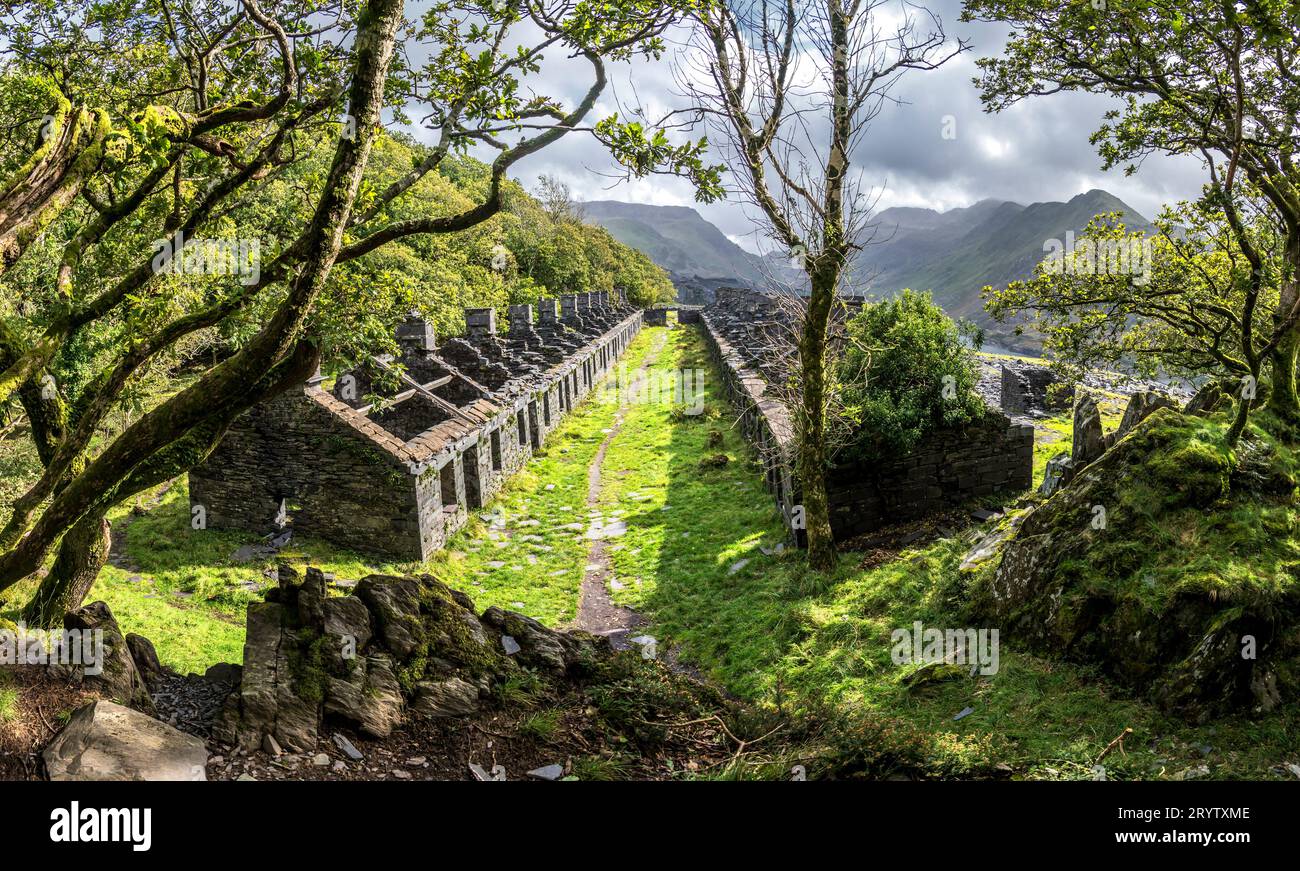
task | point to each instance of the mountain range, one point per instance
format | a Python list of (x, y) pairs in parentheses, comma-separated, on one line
[(953, 254)]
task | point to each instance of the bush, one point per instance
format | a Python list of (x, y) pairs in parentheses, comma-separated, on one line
[(906, 373)]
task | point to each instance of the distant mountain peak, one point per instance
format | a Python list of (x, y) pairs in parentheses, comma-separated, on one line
[(953, 253), (676, 238)]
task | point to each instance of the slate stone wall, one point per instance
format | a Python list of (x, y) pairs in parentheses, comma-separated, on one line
[(334, 480), (1026, 388), (949, 468)]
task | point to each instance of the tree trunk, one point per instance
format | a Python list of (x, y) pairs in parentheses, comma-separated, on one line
[(82, 554), (1283, 400), (811, 431), (1239, 419)]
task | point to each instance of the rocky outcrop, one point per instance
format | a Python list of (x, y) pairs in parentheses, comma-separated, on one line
[(1058, 472), (145, 659), (1140, 405), (1088, 576), (397, 647), (1089, 442), (106, 741), (117, 678), (1207, 400)]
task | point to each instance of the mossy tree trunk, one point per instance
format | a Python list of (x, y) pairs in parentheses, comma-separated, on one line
[(811, 461), (83, 551), (1283, 400)]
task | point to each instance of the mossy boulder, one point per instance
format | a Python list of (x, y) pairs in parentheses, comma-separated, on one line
[(116, 678), (1171, 562)]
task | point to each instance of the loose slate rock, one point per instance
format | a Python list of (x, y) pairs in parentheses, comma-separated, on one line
[(347, 747), (547, 772), (106, 741)]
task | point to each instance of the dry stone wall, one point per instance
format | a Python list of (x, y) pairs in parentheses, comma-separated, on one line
[(947, 469)]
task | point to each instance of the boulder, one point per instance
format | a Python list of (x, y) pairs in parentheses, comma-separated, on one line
[(224, 672), (1206, 401), (1089, 442), (370, 698), (1060, 469), (106, 741), (539, 647), (346, 623), (145, 659), (394, 603), (446, 698), (118, 678), (1140, 405)]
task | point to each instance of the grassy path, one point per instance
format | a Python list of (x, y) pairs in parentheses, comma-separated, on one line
[(597, 612)]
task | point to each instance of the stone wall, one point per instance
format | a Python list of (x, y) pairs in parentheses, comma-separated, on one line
[(336, 477), (764, 421), (949, 468), (1028, 388)]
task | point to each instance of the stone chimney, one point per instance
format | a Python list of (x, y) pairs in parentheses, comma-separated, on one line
[(569, 307), (415, 335), (480, 322), (521, 318)]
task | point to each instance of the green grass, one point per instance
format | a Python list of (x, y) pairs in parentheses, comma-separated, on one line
[(776, 633), (541, 726), (8, 702), (527, 550)]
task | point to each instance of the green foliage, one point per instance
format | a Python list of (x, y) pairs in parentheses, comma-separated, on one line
[(905, 373), (1171, 302)]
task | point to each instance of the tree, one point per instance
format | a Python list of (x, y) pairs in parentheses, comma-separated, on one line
[(906, 373), (1197, 296), (1198, 77), (788, 90), (174, 119)]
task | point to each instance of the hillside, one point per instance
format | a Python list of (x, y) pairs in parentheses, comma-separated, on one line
[(676, 238), (954, 254)]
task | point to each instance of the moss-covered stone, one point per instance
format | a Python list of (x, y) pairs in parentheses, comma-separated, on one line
[(1170, 562)]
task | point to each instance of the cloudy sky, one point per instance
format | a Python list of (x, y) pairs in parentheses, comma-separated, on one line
[(1034, 152)]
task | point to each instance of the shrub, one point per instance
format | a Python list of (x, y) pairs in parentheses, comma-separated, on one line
[(905, 373)]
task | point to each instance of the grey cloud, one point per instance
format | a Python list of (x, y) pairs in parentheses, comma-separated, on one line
[(1035, 151)]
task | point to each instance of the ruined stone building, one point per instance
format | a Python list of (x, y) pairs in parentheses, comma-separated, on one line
[(393, 457), (743, 329)]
